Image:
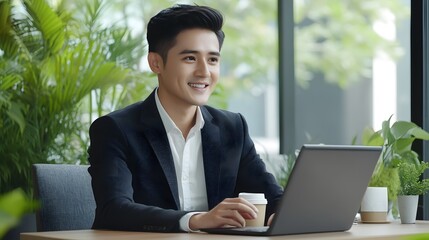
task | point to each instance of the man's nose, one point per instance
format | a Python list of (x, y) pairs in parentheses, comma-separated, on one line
[(202, 69)]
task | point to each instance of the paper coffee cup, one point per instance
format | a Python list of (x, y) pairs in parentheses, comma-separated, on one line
[(374, 204), (257, 199)]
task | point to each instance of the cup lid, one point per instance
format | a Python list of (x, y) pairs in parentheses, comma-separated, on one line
[(254, 198)]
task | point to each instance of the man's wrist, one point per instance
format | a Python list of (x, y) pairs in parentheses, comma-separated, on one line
[(184, 222)]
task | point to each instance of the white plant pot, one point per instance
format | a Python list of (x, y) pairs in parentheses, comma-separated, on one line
[(407, 206)]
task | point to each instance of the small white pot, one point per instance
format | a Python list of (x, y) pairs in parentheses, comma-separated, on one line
[(407, 206)]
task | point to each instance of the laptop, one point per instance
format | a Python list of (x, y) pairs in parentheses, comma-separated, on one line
[(323, 194)]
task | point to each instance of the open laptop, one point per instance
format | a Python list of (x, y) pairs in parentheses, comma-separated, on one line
[(323, 194)]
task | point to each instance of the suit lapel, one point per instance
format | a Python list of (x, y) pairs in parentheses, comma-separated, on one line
[(211, 156), (157, 137)]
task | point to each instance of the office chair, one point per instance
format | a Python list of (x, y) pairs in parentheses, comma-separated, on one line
[(65, 195)]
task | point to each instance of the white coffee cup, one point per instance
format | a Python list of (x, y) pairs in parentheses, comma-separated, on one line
[(374, 204), (257, 199)]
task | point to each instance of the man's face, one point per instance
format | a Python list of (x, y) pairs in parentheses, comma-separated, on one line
[(191, 71)]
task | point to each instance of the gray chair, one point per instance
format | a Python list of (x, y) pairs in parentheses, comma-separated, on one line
[(65, 195)]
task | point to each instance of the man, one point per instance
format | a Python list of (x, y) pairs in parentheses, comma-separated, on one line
[(169, 163)]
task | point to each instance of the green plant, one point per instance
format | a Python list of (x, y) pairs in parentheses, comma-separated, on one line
[(54, 60), (409, 175), (13, 205), (397, 140), (386, 177), (281, 165)]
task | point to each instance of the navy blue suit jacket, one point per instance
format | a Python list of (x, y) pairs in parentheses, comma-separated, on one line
[(133, 175)]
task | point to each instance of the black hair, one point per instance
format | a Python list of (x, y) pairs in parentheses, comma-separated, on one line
[(164, 27)]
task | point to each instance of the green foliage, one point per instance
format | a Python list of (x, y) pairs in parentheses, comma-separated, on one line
[(397, 140), (54, 58), (286, 169), (13, 205), (280, 165), (409, 174)]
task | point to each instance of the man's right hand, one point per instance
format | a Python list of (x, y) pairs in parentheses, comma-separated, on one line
[(230, 212)]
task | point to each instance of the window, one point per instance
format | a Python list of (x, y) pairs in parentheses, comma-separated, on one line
[(351, 69)]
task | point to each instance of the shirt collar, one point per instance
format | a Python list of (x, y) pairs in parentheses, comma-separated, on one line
[(168, 122)]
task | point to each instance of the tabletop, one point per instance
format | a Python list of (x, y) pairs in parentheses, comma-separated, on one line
[(393, 230)]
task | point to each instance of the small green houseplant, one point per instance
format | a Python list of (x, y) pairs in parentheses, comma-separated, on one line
[(411, 187), (409, 175)]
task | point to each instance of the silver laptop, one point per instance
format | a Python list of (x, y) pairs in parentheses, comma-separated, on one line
[(323, 193)]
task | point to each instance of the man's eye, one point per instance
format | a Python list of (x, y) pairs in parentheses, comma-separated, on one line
[(189, 58), (213, 60)]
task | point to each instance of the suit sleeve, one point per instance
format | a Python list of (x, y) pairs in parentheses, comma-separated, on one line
[(253, 176), (112, 185)]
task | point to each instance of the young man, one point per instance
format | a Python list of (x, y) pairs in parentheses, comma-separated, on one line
[(169, 163)]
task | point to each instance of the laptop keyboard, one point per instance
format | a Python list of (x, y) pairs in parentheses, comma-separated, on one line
[(252, 229)]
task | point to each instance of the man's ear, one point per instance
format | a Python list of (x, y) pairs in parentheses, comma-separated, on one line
[(155, 62)]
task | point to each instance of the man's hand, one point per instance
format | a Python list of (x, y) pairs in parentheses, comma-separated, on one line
[(230, 212), (270, 219)]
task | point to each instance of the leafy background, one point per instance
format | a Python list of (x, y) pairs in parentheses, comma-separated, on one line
[(58, 71)]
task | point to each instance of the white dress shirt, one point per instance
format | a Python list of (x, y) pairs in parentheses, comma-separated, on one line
[(188, 162)]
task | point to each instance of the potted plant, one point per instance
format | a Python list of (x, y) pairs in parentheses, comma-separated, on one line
[(396, 140), (411, 186)]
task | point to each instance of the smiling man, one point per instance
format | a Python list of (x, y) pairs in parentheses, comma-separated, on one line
[(170, 163)]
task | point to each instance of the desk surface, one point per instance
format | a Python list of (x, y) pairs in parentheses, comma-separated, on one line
[(389, 231)]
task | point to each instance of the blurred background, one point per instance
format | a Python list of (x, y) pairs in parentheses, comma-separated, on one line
[(350, 60)]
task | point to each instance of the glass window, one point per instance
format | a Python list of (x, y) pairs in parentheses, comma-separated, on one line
[(351, 66)]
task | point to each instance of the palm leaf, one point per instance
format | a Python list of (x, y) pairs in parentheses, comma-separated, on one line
[(48, 23), (9, 78), (15, 113), (7, 43), (76, 72)]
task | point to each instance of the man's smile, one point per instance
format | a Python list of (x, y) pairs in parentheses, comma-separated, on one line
[(198, 85)]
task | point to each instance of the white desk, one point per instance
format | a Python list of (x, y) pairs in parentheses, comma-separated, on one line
[(388, 231)]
